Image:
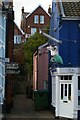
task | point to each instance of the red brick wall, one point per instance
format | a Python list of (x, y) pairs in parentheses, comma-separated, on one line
[(30, 20), (16, 30)]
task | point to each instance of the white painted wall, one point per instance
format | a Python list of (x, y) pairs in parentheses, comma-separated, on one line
[(65, 107)]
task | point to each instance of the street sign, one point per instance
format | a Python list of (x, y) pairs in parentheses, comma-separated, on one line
[(11, 66), (12, 71)]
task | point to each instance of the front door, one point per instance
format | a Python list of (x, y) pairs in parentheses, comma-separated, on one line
[(65, 99)]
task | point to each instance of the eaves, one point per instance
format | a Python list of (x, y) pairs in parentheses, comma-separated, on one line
[(71, 18)]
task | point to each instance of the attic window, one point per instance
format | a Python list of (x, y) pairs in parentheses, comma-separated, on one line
[(41, 19), (36, 19)]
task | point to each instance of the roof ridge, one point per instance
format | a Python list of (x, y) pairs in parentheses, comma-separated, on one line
[(36, 9)]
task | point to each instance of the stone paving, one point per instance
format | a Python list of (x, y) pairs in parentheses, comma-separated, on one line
[(23, 109)]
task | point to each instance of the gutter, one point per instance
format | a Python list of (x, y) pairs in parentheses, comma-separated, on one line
[(71, 18)]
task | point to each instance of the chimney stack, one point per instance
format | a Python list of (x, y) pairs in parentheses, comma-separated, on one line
[(49, 9), (22, 9)]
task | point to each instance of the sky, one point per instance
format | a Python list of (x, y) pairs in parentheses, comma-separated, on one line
[(29, 6)]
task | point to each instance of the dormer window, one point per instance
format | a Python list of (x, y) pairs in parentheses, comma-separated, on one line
[(36, 19)]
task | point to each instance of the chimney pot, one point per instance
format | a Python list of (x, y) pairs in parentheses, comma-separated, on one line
[(22, 9)]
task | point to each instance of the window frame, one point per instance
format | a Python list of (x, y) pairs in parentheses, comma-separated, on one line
[(36, 19), (65, 88), (33, 32), (41, 19)]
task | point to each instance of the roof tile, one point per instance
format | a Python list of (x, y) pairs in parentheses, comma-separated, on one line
[(71, 8)]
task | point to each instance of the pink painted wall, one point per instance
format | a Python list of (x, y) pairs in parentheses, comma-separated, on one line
[(40, 72), (42, 68)]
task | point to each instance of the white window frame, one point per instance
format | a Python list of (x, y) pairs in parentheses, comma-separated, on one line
[(36, 19), (17, 39), (66, 82), (41, 19), (33, 30)]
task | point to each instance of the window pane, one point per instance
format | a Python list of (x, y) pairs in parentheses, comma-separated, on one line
[(61, 91), (78, 100), (69, 92), (78, 82), (42, 19), (65, 77), (61, 77), (70, 77), (33, 30), (65, 89), (36, 19)]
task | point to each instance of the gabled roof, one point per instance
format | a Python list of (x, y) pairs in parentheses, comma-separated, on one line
[(71, 8), (19, 28), (36, 9)]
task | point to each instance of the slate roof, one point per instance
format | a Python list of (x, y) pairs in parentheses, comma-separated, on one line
[(71, 8)]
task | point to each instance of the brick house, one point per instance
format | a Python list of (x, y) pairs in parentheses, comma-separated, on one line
[(19, 35), (38, 19)]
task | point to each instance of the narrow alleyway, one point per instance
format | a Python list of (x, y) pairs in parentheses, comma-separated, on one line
[(24, 108)]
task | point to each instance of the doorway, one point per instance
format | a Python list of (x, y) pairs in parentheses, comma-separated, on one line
[(65, 96)]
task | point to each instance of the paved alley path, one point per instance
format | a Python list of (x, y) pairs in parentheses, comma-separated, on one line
[(24, 108)]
